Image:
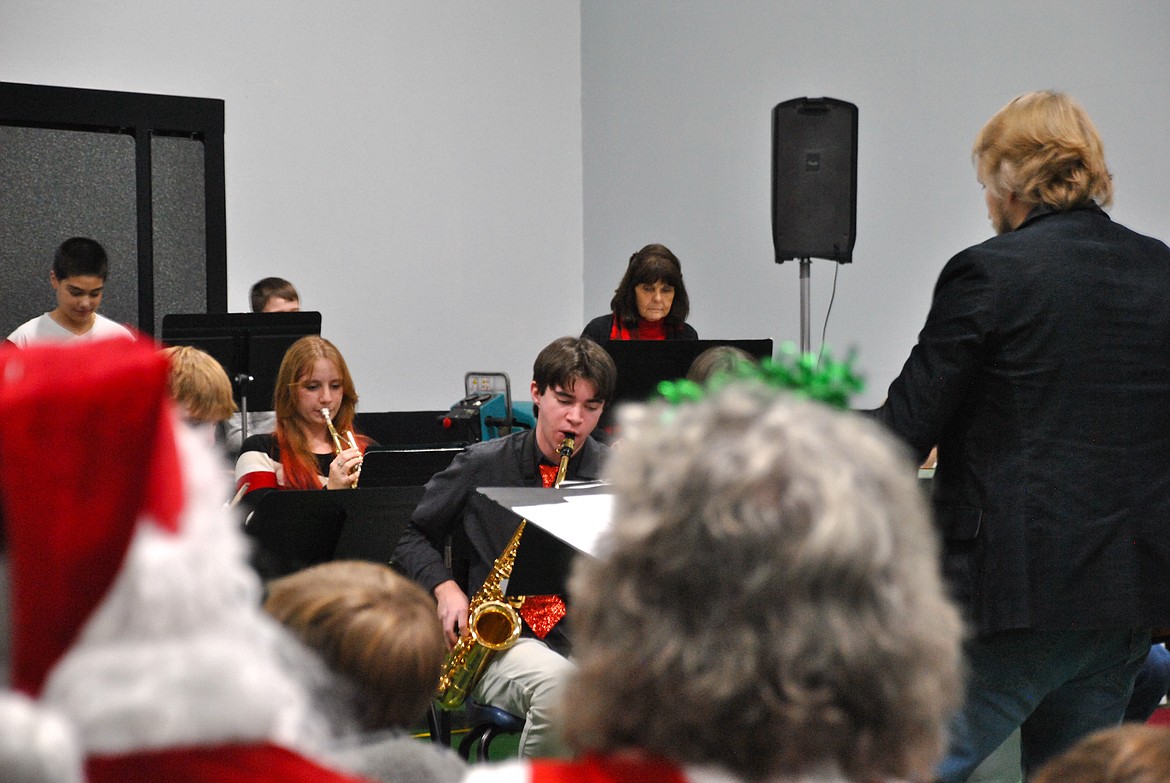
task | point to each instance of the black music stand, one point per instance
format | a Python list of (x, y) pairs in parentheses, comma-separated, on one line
[(642, 364), (295, 529), (542, 560), (250, 346), (405, 466)]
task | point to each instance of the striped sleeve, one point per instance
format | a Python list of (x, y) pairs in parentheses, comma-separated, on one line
[(257, 470)]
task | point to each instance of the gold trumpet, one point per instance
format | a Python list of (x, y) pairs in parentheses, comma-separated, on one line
[(339, 447), (566, 451)]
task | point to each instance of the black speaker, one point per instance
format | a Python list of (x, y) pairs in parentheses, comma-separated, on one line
[(814, 179)]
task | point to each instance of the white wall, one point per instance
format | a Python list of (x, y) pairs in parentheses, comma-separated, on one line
[(677, 103), (455, 183), (413, 167)]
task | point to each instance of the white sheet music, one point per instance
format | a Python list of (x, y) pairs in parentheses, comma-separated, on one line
[(579, 521)]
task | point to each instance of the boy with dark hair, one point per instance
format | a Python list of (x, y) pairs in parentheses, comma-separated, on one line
[(78, 277), (274, 295), (572, 381)]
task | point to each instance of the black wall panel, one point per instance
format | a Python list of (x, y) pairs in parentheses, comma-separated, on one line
[(142, 174)]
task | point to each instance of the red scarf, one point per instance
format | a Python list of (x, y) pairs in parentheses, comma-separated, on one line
[(644, 330), (606, 769)]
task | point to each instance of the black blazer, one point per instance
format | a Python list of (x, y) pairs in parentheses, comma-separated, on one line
[(1043, 374)]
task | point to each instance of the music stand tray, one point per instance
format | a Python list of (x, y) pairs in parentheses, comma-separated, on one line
[(396, 466), (374, 520), (295, 529), (543, 560)]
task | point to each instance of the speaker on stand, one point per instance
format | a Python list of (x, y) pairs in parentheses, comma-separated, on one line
[(814, 187)]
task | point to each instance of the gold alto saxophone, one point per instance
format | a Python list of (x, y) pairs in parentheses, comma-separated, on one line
[(493, 625)]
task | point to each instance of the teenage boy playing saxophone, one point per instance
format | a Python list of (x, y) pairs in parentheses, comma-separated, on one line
[(572, 381)]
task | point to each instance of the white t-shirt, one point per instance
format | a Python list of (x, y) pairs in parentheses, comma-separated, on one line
[(44, 329)]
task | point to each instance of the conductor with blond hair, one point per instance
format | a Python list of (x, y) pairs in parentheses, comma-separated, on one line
[(1043, 374)]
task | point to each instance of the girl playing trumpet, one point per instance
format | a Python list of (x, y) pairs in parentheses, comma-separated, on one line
[(313, 386)]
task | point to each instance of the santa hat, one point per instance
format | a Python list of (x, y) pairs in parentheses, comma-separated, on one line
[(135, 615), (86, 450)]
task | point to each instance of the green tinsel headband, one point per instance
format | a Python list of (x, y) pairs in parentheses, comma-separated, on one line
[(823, 379)]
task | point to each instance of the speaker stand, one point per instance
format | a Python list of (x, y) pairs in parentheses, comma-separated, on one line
[(805, 342)]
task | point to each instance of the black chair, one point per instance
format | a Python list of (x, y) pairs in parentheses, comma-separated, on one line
[(485, 724)]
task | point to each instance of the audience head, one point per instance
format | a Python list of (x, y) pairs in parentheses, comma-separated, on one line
[(372, 626), (769, 591), (715, 360), (198, 383), (1130, 753), (1043, 147), (80, 257), (145, 633), (651, 265), (275, 295)]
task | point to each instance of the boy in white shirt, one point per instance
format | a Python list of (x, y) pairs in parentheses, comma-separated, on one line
[(78, 277)]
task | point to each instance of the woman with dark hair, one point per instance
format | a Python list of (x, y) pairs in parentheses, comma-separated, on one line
[(301, 453), (650, 303)]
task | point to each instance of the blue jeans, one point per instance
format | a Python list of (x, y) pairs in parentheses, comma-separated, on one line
[(1055, 686)]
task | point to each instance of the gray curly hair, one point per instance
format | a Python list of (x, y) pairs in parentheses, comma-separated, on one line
[(768, 599)]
